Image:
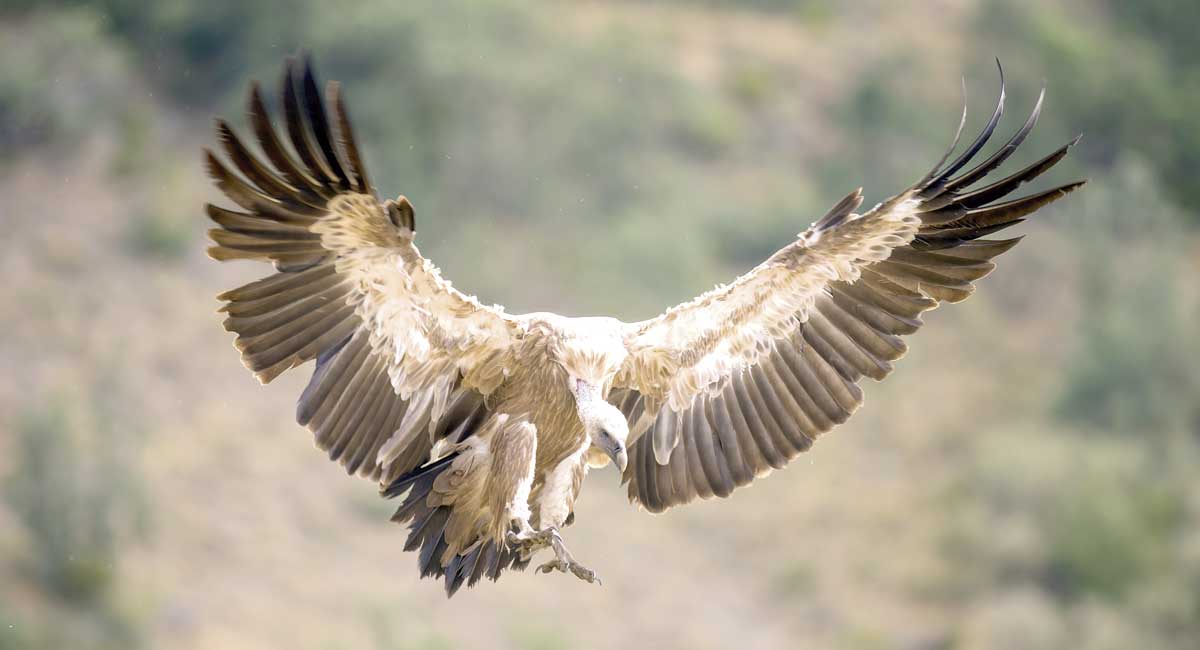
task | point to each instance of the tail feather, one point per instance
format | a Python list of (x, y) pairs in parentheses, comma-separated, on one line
[(427, 533)]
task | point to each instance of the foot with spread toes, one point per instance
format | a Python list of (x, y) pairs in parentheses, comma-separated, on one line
[(528, 543)]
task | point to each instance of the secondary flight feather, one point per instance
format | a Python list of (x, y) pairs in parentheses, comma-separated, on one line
[(484, 424)]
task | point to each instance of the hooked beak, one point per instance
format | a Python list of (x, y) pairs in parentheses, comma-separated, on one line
[(619, 457)]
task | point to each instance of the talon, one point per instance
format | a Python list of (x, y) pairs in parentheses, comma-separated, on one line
[(586, 574), (563, 561)]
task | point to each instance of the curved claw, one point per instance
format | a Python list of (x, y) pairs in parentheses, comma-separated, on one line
[(529, 542), (571, 566)]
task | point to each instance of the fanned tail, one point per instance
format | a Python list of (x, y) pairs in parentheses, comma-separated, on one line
[(427, 533)]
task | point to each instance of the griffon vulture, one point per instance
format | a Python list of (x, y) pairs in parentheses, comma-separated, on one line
[(486, 423)]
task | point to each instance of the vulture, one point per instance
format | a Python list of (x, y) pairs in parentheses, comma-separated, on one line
[(483, 424)]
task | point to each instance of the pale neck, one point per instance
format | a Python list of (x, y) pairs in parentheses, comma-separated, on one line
[(584, 392)]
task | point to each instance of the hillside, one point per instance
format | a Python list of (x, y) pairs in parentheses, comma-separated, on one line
[(1024, 479)]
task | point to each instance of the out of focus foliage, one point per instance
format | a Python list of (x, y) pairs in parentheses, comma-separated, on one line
[(1132, 74), (1133, 369), (1139, 94), (80, 499), (578, 153), (70, 79)]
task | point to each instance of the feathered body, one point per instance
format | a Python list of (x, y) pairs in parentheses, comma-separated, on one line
[(560, 351), (487, 423)]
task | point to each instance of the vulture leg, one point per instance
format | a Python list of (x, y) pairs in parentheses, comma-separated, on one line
[(564, 562)]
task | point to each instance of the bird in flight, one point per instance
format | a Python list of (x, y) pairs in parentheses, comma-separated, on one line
[(484, 424)]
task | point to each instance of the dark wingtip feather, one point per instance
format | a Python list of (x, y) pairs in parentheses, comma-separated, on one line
[(1043, 198), (297, 126), (942, 239), (983, 249), (984, 221), (272, 146), (210, 162), (962, 123), (318, 121), (984, 195), (398, 486), (336, 97), (1003, 153), (936, 183)]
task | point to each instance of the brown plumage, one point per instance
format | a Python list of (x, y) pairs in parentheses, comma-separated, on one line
[(484, 424)]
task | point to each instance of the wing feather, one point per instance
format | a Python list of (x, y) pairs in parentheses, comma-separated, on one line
[(402, 358), (745, 377)]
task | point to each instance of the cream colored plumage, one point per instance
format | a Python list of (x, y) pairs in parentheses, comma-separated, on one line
[(487, 423)]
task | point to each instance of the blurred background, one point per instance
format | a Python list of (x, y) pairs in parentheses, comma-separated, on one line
[(1026, 479)]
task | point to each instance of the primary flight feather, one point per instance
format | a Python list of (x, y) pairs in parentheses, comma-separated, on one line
[(485, 423)]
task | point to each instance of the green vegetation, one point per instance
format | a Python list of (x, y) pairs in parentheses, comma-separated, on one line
[(1133, 369), (70, 79), (79, 501), (67, 521), (161, 229), (1026, 479), (1139, 94), (1110, 534), (158, 236)]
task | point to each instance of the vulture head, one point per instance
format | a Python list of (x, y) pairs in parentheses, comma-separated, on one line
[(603, 422)]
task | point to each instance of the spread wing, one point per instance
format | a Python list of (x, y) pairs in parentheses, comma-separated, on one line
[(402, 358), (740, 380)]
